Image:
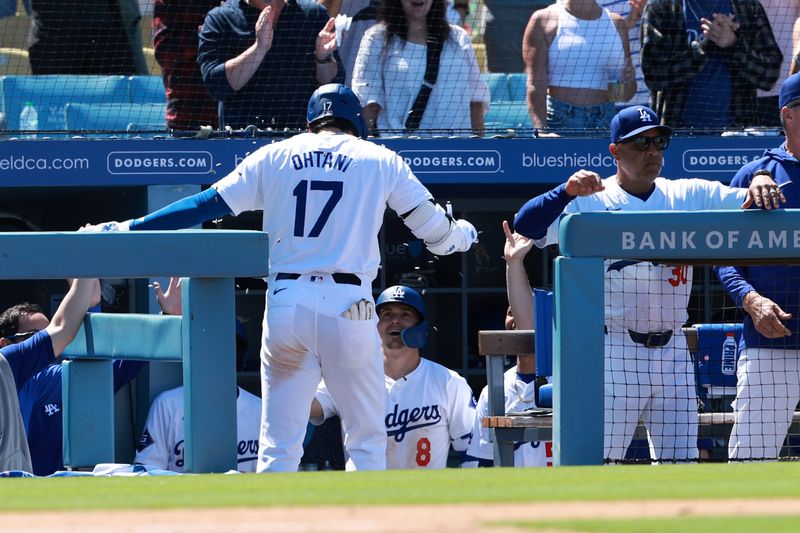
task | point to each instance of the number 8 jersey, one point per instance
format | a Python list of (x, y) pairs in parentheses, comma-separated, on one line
[(314, 184), (427, 411)]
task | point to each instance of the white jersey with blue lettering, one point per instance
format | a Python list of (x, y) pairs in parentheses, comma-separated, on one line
[(161, 443), (641, 295), (519, 396), (323, 197), (427, 411)]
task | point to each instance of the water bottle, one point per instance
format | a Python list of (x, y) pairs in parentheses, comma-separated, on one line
[(29, 120), (729, 355)]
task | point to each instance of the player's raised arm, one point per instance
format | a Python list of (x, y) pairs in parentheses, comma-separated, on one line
[(83, 294), (538, 213), (517, 285)]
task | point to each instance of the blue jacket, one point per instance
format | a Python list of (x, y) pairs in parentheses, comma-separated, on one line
[(779, 283), (40, 400)]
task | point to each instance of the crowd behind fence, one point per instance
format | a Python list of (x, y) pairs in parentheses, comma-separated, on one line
[(504, 67)]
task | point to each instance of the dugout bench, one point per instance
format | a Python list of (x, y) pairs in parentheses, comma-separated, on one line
[(703, 340)]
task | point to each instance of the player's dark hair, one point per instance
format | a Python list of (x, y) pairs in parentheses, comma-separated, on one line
[(393, 16), (333, 122), (9, 319)]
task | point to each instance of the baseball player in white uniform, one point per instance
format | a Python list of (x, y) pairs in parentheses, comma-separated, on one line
[(429, 407), (323, 194), (648, 371), (161, 443), (520, 382)]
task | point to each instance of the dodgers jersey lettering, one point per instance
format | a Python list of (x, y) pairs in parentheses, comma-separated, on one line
[(644, 296), (312, 185), (519, 396), (427, 411), (161, 443)]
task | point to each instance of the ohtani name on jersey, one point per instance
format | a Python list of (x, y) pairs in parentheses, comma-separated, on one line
[(401, 421), (685, 240), (321, 159)]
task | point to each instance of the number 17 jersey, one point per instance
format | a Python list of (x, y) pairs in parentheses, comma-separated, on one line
[(323, 197)]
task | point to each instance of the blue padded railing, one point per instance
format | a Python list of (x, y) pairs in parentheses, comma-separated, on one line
[(203, 338)]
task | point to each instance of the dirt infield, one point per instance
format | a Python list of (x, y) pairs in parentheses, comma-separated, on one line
[(378, 519)]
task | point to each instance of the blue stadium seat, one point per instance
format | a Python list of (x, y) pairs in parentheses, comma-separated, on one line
[(146, 90), (50, 94), (518, 87), (115, 117), (498, 85), (711, 382), (503, 115)]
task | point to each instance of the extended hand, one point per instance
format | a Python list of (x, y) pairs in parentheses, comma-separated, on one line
[(326, 40), (517, 246), (265, 28), (764, 192), (170, 301)]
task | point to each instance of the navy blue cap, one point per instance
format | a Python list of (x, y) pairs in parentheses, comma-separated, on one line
[(790, 91), (633, 121)]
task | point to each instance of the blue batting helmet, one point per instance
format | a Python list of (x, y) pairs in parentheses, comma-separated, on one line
[(336, 100), (415, 336)]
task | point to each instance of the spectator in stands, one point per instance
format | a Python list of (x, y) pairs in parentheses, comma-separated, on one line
[(261, 60), (768, 371), (632, 11), (161, 444), (520, 383), (29, 354), (390, 71), (87, 37), (646, 303), (429, 407), (364, 15), (578, 61), (703, 61), (782, 15), (795, 65), (505, 26), (175, 39)]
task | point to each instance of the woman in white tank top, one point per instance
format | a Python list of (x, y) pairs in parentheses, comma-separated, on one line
[(578, 61)]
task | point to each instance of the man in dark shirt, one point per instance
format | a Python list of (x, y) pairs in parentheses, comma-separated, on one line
[(704, 59), (176, 24), (263, 60)]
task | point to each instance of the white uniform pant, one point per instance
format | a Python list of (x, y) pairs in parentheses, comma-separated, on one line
[(306, 339), (767, 392), (656, 384)]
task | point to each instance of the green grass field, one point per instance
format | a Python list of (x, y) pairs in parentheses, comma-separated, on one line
[(498, 485)]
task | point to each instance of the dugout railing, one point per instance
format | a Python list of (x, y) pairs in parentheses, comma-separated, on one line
[(586, 239), (202, 338)]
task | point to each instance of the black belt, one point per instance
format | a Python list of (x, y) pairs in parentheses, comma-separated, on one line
[(339, 277), (654, 339)]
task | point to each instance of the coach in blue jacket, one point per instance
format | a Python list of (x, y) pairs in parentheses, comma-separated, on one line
[(768, 372)]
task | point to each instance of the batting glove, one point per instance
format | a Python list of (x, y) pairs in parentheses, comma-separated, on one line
[(360, 310)]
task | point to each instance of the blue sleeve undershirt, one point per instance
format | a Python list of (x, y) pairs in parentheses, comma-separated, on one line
[(732, 277), (540, 212), (185, 213)]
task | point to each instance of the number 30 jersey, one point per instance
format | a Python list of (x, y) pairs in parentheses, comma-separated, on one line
[(323, 197), (427, 411)]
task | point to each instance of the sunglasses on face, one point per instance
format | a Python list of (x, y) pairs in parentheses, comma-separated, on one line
[(19, 337), (661, 142)]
